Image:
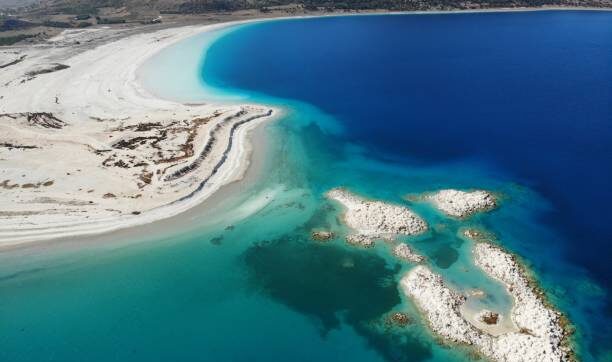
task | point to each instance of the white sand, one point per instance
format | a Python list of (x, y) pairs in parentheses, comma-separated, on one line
[(106, 154)]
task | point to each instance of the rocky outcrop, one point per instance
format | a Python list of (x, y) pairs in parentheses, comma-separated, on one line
[(539, 336), (372, 220), (399, 319), (440, 304), (404, 252), (462, 204), (321, 235), (488, 317)]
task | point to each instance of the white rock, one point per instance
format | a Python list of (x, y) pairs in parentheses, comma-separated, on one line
[(360, 240), (321, 235), (543, 343), (462, 204), (439, 303), (540, 336), (404, 252), (376, 219)]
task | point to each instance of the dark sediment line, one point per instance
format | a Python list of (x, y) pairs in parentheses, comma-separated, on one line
[(18, 60), (46, 120), (52, 68), (42, 119), (206, 150), (224, 157), (11, 146), (133, 143)]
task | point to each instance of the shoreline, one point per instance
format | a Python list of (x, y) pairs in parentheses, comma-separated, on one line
[(198, 207), (165, 38), (232, 159), (13, 240), (221, 209)]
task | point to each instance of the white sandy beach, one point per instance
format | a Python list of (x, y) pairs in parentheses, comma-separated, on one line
[(85, 149)]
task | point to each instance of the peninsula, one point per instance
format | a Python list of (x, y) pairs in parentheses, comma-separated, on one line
[(85, 149)]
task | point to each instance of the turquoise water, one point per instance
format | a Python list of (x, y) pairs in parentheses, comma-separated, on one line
[(245, 282)]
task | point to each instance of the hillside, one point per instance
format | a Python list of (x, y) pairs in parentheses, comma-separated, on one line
[(201, 6), (36, 20)]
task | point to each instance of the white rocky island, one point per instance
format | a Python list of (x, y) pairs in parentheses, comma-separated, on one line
[(462, 204), (376, 219), (539, 334)]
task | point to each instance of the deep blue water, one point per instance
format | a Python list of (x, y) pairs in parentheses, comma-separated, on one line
[(517, 103), (528, 93), (525, 96)]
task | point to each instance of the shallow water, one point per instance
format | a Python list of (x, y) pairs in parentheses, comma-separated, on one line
[(387, 106)]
